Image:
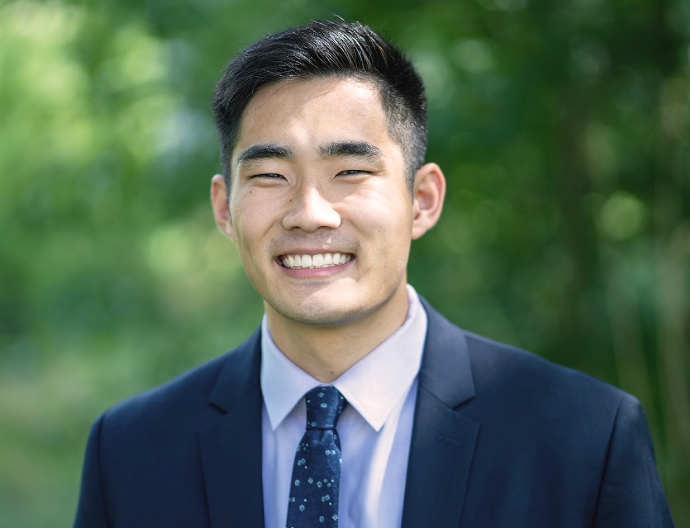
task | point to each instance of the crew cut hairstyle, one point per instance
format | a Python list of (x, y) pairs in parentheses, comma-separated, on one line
[(322, 49)]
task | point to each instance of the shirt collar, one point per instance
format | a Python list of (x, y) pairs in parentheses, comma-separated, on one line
[(373, 386)]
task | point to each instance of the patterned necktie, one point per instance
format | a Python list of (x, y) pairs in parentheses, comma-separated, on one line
[(316, 472)]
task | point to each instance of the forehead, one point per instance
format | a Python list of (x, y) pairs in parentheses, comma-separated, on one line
[(305, 113)]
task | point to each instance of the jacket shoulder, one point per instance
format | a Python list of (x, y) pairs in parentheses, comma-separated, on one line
[(510, 370), (502, 374), (190, 396)]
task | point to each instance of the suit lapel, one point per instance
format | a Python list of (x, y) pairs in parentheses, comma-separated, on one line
[(231, 444), (443, 440)]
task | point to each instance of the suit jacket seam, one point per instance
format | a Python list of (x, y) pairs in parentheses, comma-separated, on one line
[(430, 393)]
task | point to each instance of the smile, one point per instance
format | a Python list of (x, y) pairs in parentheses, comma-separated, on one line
[(320, 260)]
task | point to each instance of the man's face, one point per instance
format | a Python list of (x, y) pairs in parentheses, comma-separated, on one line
[(319, 207)]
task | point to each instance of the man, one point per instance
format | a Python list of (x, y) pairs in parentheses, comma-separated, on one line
[(356, 404)]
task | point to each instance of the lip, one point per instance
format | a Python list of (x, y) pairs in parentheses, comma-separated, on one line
[(312, 251)]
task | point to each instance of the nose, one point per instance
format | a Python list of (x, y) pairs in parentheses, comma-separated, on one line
[(309, 210)]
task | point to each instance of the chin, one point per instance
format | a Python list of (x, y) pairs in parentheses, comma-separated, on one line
[(326, 313), (331, 307), (319, 316)]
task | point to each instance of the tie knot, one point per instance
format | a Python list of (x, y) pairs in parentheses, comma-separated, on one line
[(324, 407)]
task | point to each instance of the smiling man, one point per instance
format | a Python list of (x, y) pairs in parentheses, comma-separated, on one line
[(356, 405), (323, 218)]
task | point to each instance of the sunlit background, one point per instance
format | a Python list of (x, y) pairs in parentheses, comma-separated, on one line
[(563, 128)]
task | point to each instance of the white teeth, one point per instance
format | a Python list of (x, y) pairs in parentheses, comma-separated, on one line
[(320, 260)]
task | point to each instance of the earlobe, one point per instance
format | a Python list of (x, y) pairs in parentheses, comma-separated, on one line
[(429, 193), (219, 202)]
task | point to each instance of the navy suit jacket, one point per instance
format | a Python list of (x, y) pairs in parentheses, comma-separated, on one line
[(501, 438)]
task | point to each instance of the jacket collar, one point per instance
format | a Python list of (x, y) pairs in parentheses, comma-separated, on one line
[(446, 371)]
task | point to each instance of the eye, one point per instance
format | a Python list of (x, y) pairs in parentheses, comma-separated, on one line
[(352, 172), (267, 175)]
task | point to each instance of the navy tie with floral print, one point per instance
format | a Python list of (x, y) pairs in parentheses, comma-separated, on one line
[(315, 484)]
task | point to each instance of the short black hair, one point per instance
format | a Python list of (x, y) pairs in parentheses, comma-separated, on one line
[(322, 49)]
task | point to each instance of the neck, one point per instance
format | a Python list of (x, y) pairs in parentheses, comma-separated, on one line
[(325, 352)]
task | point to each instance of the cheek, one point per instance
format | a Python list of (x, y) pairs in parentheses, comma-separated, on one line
[(388, 222), (387, 207), (386, 226), (248, 218)]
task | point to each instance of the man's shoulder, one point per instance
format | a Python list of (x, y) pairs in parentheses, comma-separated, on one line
[(509, 379), (190, 387), (513, 370), (188, 396), (540, 405), (551, 430)]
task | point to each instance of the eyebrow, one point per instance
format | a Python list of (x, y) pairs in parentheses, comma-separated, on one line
[(350, 148), (335, 149), (258, 152)]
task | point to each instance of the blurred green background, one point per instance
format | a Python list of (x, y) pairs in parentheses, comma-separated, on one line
[(563, 129)]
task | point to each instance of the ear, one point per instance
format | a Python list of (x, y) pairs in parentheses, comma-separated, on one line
[(219, 202), (429, 192)]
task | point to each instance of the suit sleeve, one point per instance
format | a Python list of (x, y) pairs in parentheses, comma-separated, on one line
[(91, 512), (631, 494)]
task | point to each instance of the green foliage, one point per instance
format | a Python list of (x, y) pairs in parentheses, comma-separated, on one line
[(563, 129)]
